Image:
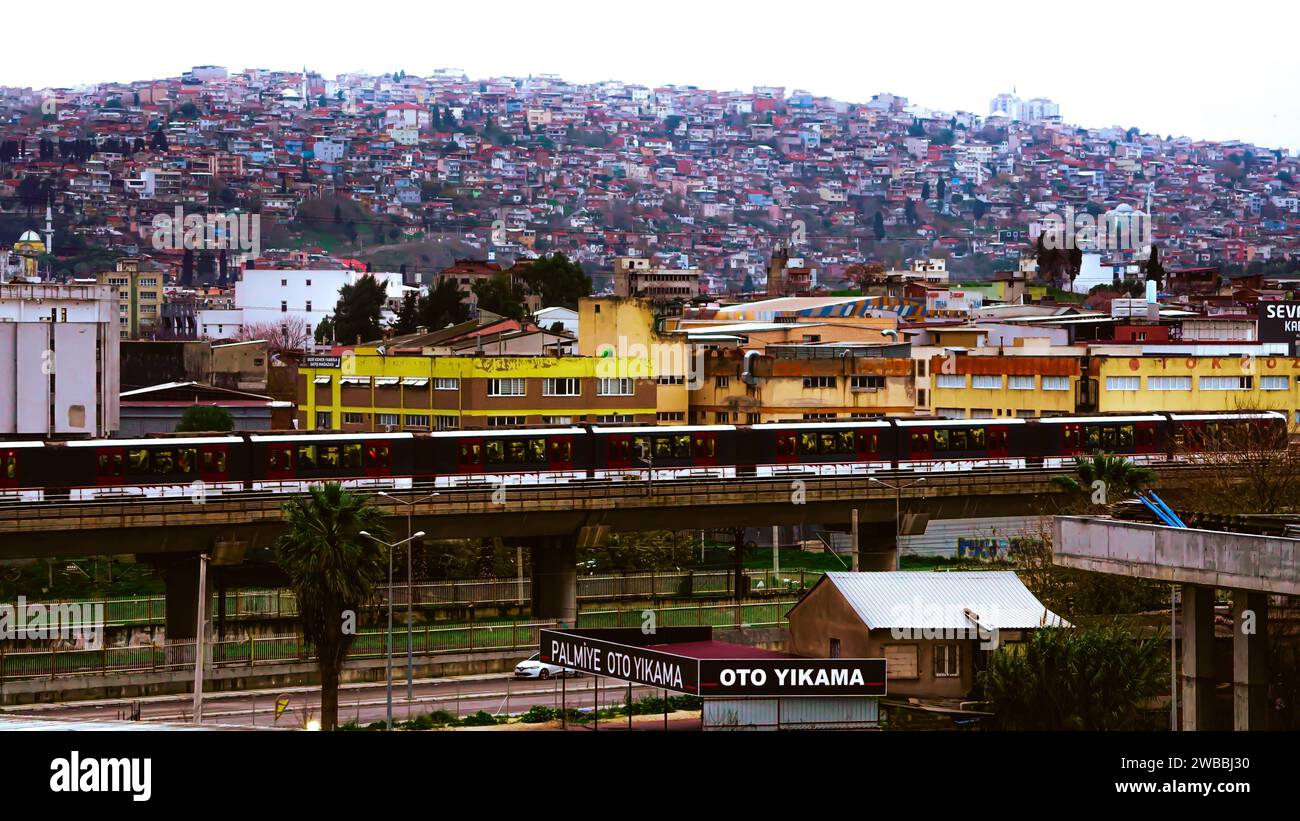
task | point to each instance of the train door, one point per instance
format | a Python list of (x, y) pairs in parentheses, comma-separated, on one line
[(214, 464), (279, 461), (560, 458), (787, 447), (704, 449), (998, 442), (378, 458), (869, 444), (920, 446), (8, 469)]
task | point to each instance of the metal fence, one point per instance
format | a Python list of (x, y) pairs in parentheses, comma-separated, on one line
[(427, 640), (247, 604)]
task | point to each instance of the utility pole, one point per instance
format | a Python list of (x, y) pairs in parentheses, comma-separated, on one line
[(198, 638)]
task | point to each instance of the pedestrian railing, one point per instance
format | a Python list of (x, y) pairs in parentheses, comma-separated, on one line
[(427, 640), (252, 604)]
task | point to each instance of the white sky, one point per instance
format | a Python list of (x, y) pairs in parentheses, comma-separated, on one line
[(1209, 71)]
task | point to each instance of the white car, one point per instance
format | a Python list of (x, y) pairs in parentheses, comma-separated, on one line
[(534, 667)]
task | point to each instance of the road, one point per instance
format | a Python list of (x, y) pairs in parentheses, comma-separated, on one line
[(496, 694)]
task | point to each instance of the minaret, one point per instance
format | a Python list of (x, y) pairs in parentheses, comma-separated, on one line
[(49, 227)]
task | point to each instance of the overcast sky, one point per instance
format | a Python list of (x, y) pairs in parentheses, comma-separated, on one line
[(1212, 71)]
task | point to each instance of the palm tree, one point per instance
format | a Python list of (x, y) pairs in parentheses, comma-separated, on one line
[(332, 570), (1119, 476)]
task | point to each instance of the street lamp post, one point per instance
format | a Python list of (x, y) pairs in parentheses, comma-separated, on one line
[(391, 548), (410, 593), (898, 509)]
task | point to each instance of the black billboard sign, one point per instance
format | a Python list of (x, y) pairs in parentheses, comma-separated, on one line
[(744, 678), (638, 665), (321, 361), (1279, 322)]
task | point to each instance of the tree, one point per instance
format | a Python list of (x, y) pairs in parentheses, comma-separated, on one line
[(159, 140), (187, 268), (442, 306), (1155, 271), (333, 571), (1118, 477), (500, 294), (878, 226), (1094, 678), (288, 335), (559, 281), (408, 317), (325, 331), (205, 418), (356, 317)]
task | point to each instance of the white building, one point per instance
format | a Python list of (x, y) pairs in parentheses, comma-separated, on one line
[(58, 360), (268, 297)]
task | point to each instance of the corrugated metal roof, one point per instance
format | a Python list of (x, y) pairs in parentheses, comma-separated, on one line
[(932, 600)]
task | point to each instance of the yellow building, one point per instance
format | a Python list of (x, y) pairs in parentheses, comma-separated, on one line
[(366, 390), (972, 387), (627, 329), (140, 297)]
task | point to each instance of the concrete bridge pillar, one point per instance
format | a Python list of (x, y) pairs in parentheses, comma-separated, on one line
[(1249, 660), (877, 547), (181, 575), (555, 579), (1197, 699)]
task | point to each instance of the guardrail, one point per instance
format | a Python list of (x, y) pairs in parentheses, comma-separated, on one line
[(250, 653), (249, 604)]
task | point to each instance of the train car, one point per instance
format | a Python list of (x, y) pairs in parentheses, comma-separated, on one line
[(502, 456), (24, 470), (936, 445), (153, 468), (294, 461), (1238, 434), (1141, 438), (667, 452), (818, 448)]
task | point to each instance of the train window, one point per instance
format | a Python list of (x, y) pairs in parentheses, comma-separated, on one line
[(975, 437), (11, 467), (377, 456), (469, 454), (682, 446), (1146, 436), (214, 461), (869, 442), (1124, 436), (785, 445), (496, 451), (1107, 438), (329, 456), (826, 442), (561, 451), (352, 456), (537, 450), (186, 460), (846, 442), (1093, 437), (103, 465), (920, 441), (307, 457), (515, 451), (164, 461), (139, 460), (808, 443), (663, 447), (941, 440), (998, 439), (705, 447), (1072, 437), (958, 439)]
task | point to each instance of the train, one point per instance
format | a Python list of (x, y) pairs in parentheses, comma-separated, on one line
[(176, 465)]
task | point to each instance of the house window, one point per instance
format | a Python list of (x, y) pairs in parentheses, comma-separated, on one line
[(1020, 383), (670, 416), (561, 387), (722, 382), (444, 422), (446, 384), (866, 383), (614, 419), (557, 420), (417, 420), (947, 660), (670, 380), (1273, 383), (722, 418), (951, 380), (1056, 383), (354, 418), (309, 305), (618, 386), (505, 421), (324, 420), (1169, 383), (505, 387), (284, 306), (901, 661), (284, 283), (986, 381), (834, 650), (386, 420), (1226, 383), (819, 381)]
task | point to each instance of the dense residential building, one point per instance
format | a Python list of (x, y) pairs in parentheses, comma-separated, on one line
[(140, 298)]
